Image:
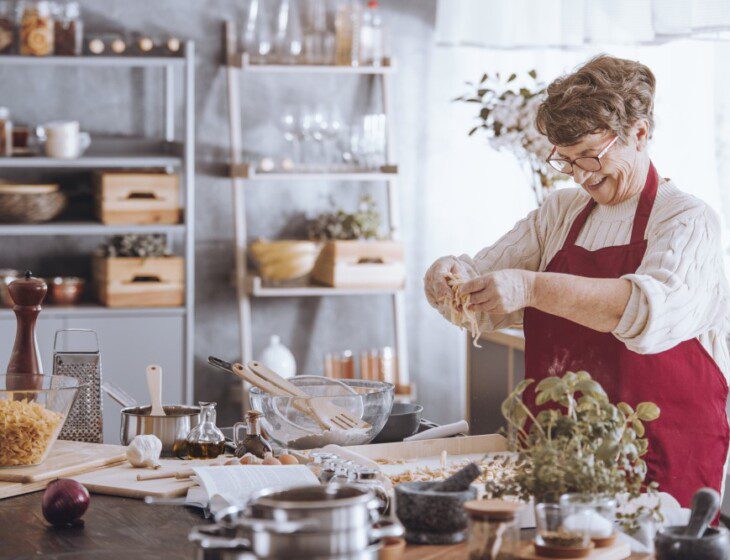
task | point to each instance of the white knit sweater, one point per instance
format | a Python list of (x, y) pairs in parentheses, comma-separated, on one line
[(678, 292)]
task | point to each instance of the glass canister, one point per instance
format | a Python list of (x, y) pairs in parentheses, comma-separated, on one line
[(205, 441), (593, 513), (493, 530), (554, 534), (69, 30), (7, 27), (36, 28)]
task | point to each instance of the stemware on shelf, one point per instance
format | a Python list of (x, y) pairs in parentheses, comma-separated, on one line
[(257, 32), (288, 33)]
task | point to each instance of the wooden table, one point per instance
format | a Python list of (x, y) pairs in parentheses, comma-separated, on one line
[(127, 529)]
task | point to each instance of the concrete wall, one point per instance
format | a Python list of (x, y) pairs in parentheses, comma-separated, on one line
[(127, 102)]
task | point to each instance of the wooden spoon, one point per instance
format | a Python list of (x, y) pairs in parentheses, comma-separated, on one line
[(154, 384)]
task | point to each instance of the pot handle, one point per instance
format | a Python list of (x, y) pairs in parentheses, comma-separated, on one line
[(386, 529), (206, 540), (280, 527)]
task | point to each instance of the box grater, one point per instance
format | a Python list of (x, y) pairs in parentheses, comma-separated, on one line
[(76, 354)]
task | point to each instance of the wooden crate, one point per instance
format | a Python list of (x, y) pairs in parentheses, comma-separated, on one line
[(361, 264), (135, 282), (137, 198)]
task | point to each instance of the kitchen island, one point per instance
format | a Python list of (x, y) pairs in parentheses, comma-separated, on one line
[(128, 529)]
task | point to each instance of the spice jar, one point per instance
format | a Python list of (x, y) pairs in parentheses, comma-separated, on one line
[(36, 28), (69, 30), (253, 442), (7, 27), (493, 529), (205, 441)]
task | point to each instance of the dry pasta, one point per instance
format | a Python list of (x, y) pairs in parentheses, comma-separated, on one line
[(459, 310), (26, 430)]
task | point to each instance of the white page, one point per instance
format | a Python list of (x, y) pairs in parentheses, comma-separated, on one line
[(236, 484)]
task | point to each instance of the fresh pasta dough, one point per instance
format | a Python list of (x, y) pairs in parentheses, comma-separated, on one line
[(460, 313)]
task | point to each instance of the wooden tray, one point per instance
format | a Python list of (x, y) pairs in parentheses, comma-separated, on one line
[(617, 551), (66, 458)]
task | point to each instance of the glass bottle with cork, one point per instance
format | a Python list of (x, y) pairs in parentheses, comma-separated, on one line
[(253, 442)]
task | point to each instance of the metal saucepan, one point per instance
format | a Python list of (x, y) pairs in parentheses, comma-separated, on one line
[(403, 422), (172, 429)]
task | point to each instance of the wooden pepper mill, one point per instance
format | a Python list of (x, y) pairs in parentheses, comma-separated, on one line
[(27, 293)]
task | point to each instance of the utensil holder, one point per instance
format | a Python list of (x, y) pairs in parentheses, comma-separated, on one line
[(76, 354)]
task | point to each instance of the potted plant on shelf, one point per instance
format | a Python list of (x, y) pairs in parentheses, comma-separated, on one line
[(507, 115), (138, 271), (581, 444), (354, 254)]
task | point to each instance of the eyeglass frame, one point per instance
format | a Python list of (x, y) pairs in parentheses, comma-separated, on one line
[(573, 162)]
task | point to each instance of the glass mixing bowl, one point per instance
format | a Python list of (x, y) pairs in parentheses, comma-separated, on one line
[(290, 428), (33, 409)]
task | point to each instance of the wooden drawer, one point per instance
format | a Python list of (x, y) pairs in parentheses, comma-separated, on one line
[(137, 198), (135, 282), (361, 264)]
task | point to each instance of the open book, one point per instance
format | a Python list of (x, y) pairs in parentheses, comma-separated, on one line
[(219, 487)]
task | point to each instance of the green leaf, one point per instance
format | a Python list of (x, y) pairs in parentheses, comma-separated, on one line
[(532, 74), (547, 383), (485, 77), (590, 387), (625, 408), (511, 78), (542, 398), (473, 130), (484, 113), (522, 386), (583, 375), (648, 411), (638, 426)]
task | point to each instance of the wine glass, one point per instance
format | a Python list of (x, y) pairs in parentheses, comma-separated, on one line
[(288, 124)]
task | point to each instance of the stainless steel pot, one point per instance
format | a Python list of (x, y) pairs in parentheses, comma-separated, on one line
[(334, 506), (172, 429)]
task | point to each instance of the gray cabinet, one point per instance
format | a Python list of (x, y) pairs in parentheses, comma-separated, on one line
[(128, 345)]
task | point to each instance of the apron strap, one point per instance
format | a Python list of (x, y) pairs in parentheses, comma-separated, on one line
[(646, 203), (641, 218)]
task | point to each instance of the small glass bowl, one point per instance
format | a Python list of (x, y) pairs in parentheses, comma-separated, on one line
[(554, 533)]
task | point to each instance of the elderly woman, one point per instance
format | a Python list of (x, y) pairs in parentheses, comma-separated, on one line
[(622, 277)]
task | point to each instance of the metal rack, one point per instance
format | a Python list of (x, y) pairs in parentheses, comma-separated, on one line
[(247, 286), (129, 153)]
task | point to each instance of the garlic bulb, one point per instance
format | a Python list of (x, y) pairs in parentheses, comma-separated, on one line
[(144, 451)]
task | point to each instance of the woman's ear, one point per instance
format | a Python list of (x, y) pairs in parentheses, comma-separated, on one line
[(641, 133)]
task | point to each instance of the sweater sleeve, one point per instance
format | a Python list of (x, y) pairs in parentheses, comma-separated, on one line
[(679, 291), (519, 248)]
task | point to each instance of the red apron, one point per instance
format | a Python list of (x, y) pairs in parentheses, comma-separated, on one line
[(688, 443)]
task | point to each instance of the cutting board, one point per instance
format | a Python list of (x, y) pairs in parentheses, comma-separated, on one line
[(65, 459), (121, 480)]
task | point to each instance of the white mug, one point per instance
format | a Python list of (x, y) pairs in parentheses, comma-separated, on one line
[(63, 139)]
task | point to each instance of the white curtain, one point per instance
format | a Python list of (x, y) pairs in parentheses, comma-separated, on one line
[(514, 24)]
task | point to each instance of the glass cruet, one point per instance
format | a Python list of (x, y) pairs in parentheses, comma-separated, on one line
[(206, 441)]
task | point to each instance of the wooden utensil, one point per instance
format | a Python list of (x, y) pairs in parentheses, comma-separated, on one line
[(154, 384), (257, 381), (324, 408)]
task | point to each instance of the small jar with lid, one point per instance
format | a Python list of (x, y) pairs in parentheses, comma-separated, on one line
[(205, 441), (494, 532), (36, 28), (69, 30)]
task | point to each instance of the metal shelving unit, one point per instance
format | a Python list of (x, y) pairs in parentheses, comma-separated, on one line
[(108, 152), (248, 286)]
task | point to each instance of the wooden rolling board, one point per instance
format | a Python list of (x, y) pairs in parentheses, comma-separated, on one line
[(121, 480), (10, 489), (617, 551), (65, 459)]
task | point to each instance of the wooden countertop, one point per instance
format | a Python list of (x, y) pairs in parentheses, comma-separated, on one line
[(124, 528)]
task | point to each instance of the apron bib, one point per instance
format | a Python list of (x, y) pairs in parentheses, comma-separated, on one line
[(688, 443)]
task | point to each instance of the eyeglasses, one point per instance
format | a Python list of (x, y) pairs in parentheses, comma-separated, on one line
[(586, 163)]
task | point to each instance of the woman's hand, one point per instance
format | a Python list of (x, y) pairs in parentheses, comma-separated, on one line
[(435, 281), (501, 292)]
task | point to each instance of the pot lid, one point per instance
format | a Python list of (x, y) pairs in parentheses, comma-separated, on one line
[(314, 497)]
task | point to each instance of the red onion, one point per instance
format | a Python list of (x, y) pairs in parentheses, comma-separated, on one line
[(64, 502)]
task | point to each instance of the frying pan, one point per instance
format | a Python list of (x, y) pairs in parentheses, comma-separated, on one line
[(404, 421)]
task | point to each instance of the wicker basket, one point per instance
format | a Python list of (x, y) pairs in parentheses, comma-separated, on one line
[(27, 204)]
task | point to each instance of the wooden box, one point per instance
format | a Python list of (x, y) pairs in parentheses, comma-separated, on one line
[(135, 282), (137, 198), (361, 264)]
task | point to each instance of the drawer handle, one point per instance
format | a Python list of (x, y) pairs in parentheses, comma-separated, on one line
[(139, 195), (141, 279), (370, 260)]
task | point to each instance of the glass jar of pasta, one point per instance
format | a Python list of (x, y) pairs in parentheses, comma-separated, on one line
[(36, 27), (494, 532)]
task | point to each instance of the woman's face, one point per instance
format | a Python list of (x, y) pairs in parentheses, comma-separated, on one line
[(623, 166)]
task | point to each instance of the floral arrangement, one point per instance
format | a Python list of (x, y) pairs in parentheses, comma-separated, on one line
[(362, 224), (507, 115), (581, 444)]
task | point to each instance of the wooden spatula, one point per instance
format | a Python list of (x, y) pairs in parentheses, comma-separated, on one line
[(323, 407), (154, 384)]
